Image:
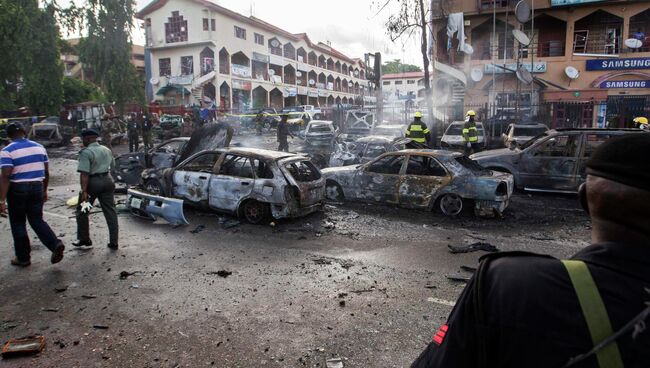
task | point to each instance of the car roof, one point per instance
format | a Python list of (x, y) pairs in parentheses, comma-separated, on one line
[(391, 126), (462, 122), (596, 130), (263, 153), (439, 153), (375, 138), (536, 125), (322, 122)]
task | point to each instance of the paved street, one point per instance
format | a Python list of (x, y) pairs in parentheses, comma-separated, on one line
[(365, 283)]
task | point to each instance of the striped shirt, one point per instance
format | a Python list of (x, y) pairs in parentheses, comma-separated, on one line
[(27, 160)]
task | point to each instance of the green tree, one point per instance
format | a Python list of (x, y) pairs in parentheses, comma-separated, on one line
[(75, 91), (396, 66), (107, 50)]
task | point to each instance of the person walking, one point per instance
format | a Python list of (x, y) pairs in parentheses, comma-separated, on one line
[(94, 167), (147, 133), (418, 132), (470, 134), (23, 185), (133, 131), (527, 310), (283, 133)]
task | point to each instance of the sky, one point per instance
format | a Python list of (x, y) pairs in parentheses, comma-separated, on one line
[(352, 26)]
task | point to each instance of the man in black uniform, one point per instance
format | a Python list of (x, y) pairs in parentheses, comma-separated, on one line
[(147, 134), (527, 310), (283, 133), (133, 132)]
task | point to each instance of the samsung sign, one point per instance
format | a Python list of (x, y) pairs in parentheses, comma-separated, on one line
[(618, 64), (625, 84), (572, 2)]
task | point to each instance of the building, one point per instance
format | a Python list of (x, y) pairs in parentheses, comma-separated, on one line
[(200, 51), (402, 86), (74, 69), (586, 74)]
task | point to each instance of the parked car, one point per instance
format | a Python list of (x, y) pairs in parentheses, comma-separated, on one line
[(298, 121), (519, 134), (247, 182), (320, 135), (49, 132), (370, 147), (453, 136), (425, 179), (553, 161), (170, 126), (129, 166), (312, 110), (390, 130)]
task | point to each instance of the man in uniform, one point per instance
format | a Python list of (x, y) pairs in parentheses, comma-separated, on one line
[(107, 127), (283, 133), (94, 168), (133, 128), (418, 132), (470, 133), (526, 310), (23, 184), (147, 126)]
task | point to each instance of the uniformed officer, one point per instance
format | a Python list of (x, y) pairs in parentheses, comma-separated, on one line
[(147, 133), (470, 133), (133, 132), (283, 133), (526, 310), (418, 132), (95, 163)]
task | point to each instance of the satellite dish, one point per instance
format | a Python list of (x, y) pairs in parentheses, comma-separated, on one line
[(271, 72), (356, 73), (312, 82), (633, 43), (571, 72), (275, 43), (522, 11), (524, 75), (298, 74), (521, 37), (468, 49), (476, 74), (154, 80)]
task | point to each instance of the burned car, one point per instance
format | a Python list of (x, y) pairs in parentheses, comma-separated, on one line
[(453, 136), (247, 182), (518, 134), (358, 124), (390, 130), (170, 126), (425, 179), (320, 135), (46, 133), (371, 147), (551, 162)]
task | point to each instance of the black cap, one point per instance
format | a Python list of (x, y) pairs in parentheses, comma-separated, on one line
[(89, 133), (14, 128), (624, 160)]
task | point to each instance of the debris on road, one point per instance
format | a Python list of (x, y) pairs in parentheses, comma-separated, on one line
[(430, 286), (221, 273), (23, 346), (458, 278), (334, 363), (60, 289), (228, 224), (125, 274), (100, 327), (472, 248), (90, 296), (468, 268), (50, 309), (198, 229)]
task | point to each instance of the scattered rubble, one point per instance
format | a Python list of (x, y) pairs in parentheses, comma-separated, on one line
[(125, 274), (220, 273), (472, 248), (198, 229), (23, 346), (334, 363)]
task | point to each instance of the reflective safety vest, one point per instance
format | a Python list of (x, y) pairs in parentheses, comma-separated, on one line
[(470, 134), (418, 132)]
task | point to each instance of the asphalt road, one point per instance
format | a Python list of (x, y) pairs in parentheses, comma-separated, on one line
[(364, 283)]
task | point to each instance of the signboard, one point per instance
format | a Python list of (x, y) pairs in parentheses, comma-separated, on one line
[(323, 93), (290, 91), (625, 84), (260, 57), (618, 64), (181, 79), (572, 2), (312, 94), (538, 67), (320, 85), (277, 60), (241, 84), (302, 90), (240, 71)]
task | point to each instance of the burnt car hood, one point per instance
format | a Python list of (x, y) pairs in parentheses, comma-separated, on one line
[(208, 137), (495, 154)]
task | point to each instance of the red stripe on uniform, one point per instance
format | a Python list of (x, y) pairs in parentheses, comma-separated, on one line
[(440, 334)]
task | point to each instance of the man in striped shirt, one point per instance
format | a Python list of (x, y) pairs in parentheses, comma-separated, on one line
[(23, 184)]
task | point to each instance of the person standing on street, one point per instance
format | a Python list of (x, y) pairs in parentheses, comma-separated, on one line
[(283, 133), (107, 127), (147, 125), (470, 134), (25, 176), (526, 310), (94, 168), (418, 132), (133, 131)]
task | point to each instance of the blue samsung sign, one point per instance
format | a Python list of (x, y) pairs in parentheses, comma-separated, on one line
[(625, 84), (571, 2), (618, 64)]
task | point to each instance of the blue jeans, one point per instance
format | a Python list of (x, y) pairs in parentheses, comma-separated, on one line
[(25, 202)]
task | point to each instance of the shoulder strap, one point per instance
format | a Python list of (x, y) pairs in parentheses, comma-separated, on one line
[(594, 312)]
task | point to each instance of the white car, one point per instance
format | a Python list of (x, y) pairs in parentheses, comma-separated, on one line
[(519, 134), (312, 110), (453, 137)]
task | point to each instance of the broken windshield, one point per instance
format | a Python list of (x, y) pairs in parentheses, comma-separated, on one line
[(303, 171)]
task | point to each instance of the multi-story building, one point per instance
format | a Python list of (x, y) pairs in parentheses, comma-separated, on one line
[(73, 68), (199, 51), (401, 86), (589, 59)]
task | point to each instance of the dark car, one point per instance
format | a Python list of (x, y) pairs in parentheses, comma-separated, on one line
[(551, 162), (129, 166)]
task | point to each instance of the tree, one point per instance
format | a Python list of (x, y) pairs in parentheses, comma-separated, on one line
[(76, 90), (107, 50), (396, 66), (12, 24)]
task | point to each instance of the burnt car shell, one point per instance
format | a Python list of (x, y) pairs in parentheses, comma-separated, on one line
[(370, 147), (129, 166), (455, 176), (320, 135)]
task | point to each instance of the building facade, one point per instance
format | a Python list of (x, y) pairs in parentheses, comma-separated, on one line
[(202, 52), (589, 59), (402, 86)]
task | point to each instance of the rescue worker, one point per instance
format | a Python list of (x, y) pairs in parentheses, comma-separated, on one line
[(147, 134), (418, 132), (470, 134), (95, 163), (526, 310), (283, 133), (133, 132), (641, 122), (107, 127)]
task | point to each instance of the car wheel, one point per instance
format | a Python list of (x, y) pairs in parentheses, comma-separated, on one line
[(333, 192), (451, 204), (255, 212), (153, 186)]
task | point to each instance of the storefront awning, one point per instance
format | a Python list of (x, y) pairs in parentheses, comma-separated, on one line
[(170, 87)]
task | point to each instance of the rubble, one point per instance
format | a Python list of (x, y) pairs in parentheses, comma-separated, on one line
[(23, 346), (472, 248)]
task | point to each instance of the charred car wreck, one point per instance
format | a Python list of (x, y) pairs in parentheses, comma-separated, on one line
[(425, 179), (249, 183)]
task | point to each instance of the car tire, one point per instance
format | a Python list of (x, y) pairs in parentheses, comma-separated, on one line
[(255, 212), (153, 186), (451, 204), (334, 192)]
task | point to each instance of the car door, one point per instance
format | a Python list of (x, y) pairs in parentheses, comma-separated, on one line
[(165, 155), (591, 141), (424, 176), (233, 182), (551, 164), (190, 181), (379, 179)]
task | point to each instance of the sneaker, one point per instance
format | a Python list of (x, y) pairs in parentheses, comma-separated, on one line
[(57, 255), (82, 243), (16, 262), (113, 246)]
